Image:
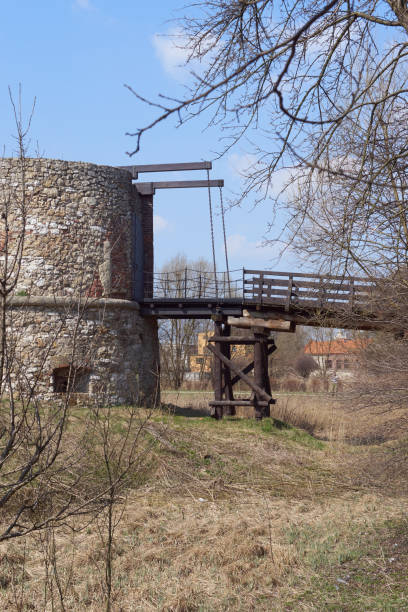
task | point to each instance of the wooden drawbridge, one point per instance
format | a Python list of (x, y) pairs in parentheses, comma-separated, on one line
[(260, 301)]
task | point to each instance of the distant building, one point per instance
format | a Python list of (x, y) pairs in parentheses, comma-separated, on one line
[(201, 362), (340, 355)]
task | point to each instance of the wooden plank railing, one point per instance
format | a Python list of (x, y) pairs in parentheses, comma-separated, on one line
[(304, 290)]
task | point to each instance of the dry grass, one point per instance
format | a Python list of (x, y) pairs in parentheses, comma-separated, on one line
[(238, 515), (320, 414), (331, 418)]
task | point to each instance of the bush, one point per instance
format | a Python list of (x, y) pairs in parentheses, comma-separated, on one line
[(305, 365)]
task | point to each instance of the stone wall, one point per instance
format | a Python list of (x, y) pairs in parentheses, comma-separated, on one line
[(78, 220), (71, 305)]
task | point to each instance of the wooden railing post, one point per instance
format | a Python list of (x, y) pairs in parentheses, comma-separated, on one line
[(321, 293), (351, 296), (261, 287), (289, 296)]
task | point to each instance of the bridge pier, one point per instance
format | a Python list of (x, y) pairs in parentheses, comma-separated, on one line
[(220, 345)]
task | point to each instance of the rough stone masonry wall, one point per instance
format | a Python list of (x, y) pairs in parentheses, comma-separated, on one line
[(78, 254)]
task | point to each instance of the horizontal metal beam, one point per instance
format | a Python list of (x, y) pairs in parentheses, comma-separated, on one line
[(140, 168), (149, 188)]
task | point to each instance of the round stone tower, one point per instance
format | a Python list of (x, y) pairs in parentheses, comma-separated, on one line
[(75, 241)]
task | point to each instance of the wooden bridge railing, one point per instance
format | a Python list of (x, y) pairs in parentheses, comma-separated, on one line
[(306, 291), (287, 290)]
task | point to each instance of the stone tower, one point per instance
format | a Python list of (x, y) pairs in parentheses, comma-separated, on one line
[(81, 239)]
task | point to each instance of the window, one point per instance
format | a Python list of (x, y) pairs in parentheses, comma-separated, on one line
[(199, 360), (339, 364), (78, 380), (329, 363), (346, 364)]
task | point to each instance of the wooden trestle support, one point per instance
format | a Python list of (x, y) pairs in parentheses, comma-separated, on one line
[(224, 368)]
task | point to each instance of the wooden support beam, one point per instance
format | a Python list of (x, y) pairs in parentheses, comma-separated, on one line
[(263, 394), (258, 375), (236, 339), (236, 402), (268, 381), (227, 386), (250, 366), (217, 373), (248, 321), (137, 169), (145, 188)]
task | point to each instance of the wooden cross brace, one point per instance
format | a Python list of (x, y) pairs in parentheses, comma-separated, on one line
[(262, 397)]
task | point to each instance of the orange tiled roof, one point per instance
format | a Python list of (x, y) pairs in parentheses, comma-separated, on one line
[(341, 346)]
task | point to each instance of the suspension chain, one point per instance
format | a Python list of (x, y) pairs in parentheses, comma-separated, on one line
[(212, 232), (225, 242)]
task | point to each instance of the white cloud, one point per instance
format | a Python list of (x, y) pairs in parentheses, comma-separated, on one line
[(86, 5), (172, 52), (242, 164), (280, 179), (160, 223), (238, 244)]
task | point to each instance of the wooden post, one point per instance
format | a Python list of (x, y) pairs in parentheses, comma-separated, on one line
[(258, 372), (227, 386), (351, 296), (217, 373), (321, 292), (289, 295), (267, 382), (261, 287)]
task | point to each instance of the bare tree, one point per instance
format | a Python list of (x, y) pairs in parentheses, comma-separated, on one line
[(293, 71), (355, 219), (46, 473), (178, 337), (318, 89)]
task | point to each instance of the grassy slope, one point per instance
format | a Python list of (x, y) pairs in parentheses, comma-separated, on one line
[(239, 515)]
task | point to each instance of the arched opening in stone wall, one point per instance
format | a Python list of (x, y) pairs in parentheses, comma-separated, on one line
[(70, 379)]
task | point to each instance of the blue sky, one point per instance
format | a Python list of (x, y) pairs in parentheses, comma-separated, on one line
[(75, 56)]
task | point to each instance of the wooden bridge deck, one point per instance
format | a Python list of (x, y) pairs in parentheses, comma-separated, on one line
[(305, 299)]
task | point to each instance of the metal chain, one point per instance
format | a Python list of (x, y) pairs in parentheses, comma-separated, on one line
[(225, 242), (212, 232)]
